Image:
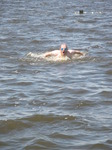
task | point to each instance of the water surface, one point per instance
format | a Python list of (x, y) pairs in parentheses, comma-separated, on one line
[(48, 104)]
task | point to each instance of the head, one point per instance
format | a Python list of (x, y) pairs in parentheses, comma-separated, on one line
[(63, 49)]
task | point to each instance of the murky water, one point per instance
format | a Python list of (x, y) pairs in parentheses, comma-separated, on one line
[(48, 104)]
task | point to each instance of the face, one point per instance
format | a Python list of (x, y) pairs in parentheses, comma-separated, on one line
[(63, 49)]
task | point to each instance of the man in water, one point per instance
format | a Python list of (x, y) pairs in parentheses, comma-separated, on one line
[(63, 51)]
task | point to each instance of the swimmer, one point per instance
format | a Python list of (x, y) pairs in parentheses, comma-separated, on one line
[(63, 51)]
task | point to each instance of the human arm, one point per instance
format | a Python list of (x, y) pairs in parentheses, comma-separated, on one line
[(48, 54), (76, 52), (52, 53)]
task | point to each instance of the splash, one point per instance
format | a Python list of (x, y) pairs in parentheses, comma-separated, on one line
[(35, 57)]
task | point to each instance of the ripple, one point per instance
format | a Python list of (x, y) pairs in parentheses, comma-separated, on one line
[(106, 94), (13, 125), (109, 72), (2, 144), (49, 118), (36, 41), (101, 146), (61, 136)]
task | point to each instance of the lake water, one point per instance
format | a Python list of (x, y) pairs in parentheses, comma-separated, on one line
[(48, 104)]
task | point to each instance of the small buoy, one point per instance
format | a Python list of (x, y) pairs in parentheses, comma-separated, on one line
[(80, 11)]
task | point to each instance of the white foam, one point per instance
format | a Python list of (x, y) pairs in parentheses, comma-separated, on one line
[(41, 57), (35, 55)]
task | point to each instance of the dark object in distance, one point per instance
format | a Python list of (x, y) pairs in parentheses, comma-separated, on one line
[(81, 11)]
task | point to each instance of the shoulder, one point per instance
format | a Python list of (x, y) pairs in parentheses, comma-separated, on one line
[(55, 51), (52, 53)]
